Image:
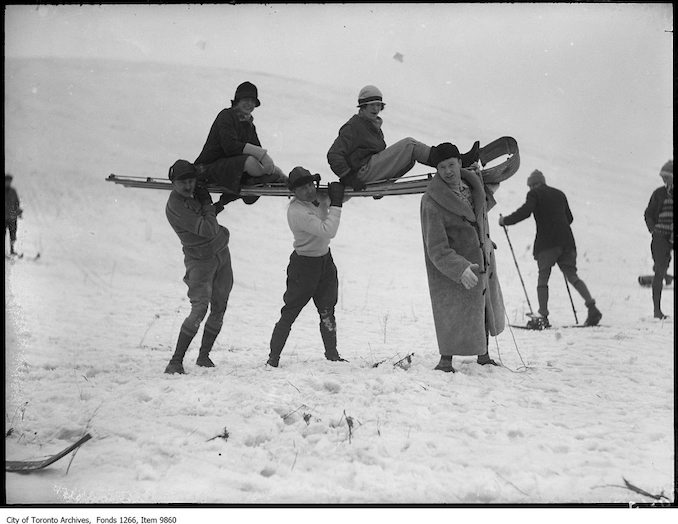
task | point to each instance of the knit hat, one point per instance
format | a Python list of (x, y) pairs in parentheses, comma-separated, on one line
[(536, 177), (667, 169), (443, 152), (369, 94), (181, 170), (246, 90), (300, 176)]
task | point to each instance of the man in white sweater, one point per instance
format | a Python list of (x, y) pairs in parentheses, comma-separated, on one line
[(314, 219)]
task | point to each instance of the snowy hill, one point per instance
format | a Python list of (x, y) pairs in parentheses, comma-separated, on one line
[(92, 323)]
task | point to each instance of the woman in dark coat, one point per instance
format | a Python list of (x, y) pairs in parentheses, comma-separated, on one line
[(465, 293), (233, 149)]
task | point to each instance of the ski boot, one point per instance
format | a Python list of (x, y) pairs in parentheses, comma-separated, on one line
[(538, 323), (471, 156), (593, 317)]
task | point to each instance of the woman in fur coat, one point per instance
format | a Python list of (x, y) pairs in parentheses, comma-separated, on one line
[(465, 293)]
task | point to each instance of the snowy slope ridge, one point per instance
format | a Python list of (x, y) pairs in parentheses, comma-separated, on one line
[(92, 323)]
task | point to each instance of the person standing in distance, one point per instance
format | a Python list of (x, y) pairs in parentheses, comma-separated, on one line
[(659, 221), (13, 212)]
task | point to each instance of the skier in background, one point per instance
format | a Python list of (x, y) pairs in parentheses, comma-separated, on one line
[(232, 155), (659, 221), (359, 154), (311, 274), (209, 276), (13, 212), (554, 242)]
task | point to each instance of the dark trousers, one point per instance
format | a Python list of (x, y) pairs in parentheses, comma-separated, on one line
[(309, 278), (567, 262), (226, 172), (11, 224), (661, 256)]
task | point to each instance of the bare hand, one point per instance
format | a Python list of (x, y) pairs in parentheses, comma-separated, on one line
[(468, 277)]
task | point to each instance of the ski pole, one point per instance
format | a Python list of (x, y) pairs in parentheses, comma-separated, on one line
[(567, 285), (521, 276)]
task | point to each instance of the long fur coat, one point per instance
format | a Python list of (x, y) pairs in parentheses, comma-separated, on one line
[(454, 237)]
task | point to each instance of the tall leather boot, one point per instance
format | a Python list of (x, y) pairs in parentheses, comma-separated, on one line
[(280, 333), (543, 299), (208, 339), (176, 363), (328, 332)]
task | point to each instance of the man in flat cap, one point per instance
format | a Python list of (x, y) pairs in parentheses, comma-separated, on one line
[(207, 259)]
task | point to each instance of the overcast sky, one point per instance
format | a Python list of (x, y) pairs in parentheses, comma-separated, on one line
[(589, 71)]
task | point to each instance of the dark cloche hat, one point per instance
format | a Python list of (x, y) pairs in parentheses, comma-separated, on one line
[(246, 90)]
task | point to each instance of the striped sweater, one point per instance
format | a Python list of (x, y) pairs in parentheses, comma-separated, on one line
[(659, 213)]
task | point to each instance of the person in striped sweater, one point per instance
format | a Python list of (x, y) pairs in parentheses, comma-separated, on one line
[(659, 221)]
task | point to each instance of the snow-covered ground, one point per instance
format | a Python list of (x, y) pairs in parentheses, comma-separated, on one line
[(91, 324)]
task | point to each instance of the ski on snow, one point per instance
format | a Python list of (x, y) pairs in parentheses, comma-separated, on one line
[(33, 465), (551, 328), (21, 256)]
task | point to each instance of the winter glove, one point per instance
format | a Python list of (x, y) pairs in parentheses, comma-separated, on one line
[(468, 277), (353, 181), (501, 220), (202, 195), (335, 190), (225, 198)]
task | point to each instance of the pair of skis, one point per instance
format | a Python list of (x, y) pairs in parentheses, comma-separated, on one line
[(538, 323), (504, 148)]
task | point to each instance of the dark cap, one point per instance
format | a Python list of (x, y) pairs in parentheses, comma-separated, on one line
[(300, 176), (246, 90), (443, 152), (8, 177), (182, 170), (667, 169), (536, 178)]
